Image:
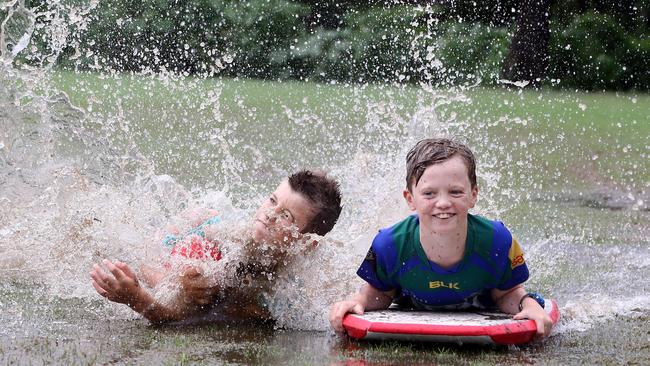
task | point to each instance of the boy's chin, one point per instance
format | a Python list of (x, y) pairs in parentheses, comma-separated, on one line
[(262, 238), (441, 225)]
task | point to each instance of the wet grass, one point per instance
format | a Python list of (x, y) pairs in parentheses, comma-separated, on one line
[(420, 354), (69, 334)]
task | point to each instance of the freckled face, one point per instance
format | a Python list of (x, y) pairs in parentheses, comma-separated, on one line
[(281, 216), (443, 196)]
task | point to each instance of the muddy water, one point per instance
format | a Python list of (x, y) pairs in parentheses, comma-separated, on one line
[(93, 166)]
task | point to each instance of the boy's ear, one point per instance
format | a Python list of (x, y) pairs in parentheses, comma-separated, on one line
[(408, 196), (310, 242), (474, 197)]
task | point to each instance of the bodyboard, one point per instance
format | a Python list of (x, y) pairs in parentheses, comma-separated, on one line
[(477, 327)]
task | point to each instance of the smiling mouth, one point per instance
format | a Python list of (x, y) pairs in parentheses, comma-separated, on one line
[(443, 215)]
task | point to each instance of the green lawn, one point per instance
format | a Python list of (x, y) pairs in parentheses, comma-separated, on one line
[(546, 140)]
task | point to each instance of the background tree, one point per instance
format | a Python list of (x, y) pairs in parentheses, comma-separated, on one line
[(528, 56)]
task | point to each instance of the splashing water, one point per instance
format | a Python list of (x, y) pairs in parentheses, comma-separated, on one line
[(94, 165)]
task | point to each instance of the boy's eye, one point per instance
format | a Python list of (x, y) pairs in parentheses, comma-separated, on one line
[(272, 200), (286, 215)]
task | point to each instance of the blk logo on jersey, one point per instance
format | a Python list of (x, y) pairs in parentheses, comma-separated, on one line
[(439, 284)]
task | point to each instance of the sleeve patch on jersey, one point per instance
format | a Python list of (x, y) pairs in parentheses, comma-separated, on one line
[(516, 255), (371, 256)]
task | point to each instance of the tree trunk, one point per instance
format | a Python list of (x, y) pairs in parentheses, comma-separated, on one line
[(528, 56)]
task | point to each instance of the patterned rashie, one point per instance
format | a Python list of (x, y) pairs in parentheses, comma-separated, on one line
[(193, 244), (492, 259), (196, 247)]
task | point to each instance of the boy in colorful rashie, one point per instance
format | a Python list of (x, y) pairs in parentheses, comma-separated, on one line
[(442, 257), (305, 202)]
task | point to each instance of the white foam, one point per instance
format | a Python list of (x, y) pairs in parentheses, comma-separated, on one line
[(585, 312)]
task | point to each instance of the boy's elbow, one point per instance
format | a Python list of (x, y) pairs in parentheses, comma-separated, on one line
[(161, 316), (164, 314), (498, 296)]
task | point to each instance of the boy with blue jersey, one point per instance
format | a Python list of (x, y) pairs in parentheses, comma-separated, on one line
[(443, 257)]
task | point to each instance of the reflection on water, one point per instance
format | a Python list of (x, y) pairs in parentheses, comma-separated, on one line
[(95, 172)]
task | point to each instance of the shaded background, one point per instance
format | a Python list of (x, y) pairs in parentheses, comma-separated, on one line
[(588, 45)]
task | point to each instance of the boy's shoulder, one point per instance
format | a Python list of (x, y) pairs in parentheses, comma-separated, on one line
[(397, 236), (407, 225), (490, 237), (402, 229), (485, 226)]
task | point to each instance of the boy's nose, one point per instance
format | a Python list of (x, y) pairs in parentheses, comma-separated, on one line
[(272, 214), (443, 201)]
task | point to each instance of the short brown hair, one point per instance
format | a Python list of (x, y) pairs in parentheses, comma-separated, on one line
[(323, 193), (432, 151)]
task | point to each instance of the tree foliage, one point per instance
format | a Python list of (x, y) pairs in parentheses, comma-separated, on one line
[(592, 44), (595, 52)]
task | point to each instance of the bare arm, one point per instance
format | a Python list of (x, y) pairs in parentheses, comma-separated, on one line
[(508, 300), (368, 298), (373, 299), (122, 286)]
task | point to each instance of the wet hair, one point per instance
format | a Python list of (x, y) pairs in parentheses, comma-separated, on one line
[(324, 195), (432, 151)]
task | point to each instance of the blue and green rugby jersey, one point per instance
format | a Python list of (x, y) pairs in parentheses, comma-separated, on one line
[(492, 259)]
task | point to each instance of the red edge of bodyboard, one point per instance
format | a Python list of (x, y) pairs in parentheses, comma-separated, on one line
[(355, 327), (516, 333), (522, 332), (358, 328)]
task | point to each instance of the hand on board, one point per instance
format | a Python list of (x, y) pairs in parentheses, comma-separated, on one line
[(338, 311), (533, 311)]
